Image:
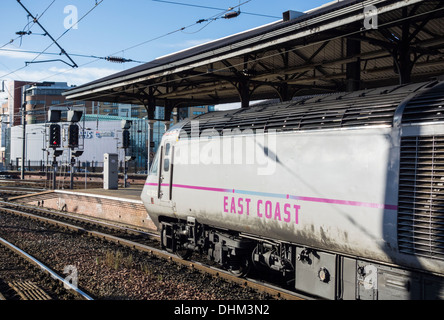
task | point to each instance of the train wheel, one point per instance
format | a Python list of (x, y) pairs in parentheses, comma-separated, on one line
[(240, 266), (184, 254)]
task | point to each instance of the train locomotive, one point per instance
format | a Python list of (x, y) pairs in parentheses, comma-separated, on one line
[(341, 193)]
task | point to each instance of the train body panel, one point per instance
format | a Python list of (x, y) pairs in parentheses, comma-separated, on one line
[(335, 190)]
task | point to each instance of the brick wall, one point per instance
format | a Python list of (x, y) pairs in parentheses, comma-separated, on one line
[(129, 212)]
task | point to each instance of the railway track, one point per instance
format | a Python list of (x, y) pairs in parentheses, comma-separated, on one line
[(23, 277), (143, 242), (7, 192)]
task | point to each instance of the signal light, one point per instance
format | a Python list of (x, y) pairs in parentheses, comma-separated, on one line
[(126, 139), (54, 135), (73, 136)]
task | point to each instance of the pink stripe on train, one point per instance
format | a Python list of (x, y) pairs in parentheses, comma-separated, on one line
[(285, 196)]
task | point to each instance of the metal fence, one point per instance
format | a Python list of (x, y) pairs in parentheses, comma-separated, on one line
[(79, 167)]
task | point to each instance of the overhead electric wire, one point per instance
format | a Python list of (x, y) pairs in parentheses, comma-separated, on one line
[(77, 22), (158, 37), (48, 34), (29, 28), (109, 58), (261, 58), (240, 64), (212, 8), (35, 19), (9, 42), (212, 18), (27, 25)]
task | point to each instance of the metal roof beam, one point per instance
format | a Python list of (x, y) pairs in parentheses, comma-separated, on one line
[(274, 38)]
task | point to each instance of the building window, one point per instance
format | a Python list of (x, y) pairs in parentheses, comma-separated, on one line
[(36, 102)]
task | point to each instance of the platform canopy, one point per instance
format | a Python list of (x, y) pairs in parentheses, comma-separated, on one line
[(341, 46)]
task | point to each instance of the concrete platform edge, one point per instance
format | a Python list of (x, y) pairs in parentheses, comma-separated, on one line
[(95, 195)]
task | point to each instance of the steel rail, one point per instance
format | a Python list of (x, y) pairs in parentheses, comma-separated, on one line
[(258, 286), (69, 216), (46, 269)]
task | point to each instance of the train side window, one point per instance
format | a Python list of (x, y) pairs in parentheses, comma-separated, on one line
[(167, 149), (166, 164), (155, 164)]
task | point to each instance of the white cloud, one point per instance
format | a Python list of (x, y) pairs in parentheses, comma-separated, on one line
[(78, 76), (73, 76), (195, 42), (16, 54)]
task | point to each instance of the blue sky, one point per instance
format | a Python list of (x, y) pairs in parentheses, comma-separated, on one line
[(141, 30)]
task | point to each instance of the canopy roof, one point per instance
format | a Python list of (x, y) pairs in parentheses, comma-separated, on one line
[(336, 47)]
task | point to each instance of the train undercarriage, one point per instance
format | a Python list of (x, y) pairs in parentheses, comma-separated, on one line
[(234, 252), (319, 273)]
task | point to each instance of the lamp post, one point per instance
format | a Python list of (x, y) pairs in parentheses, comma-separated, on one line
[(3, 125), (22, 173)]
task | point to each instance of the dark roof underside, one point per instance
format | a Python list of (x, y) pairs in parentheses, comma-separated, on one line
[(319, 52)]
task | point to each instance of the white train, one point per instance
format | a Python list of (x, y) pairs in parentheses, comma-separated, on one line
[(341, 193)]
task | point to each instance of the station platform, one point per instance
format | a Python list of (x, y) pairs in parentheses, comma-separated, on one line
[(121, 205), (132, 193)]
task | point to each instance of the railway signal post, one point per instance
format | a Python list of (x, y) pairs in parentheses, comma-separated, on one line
[(73, 142), (126, 141)]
